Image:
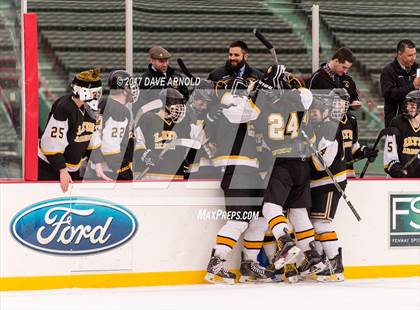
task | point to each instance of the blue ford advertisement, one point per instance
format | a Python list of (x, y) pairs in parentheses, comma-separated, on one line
[(76, 225)]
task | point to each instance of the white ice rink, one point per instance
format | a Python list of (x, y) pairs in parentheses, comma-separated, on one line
[(395, 294)]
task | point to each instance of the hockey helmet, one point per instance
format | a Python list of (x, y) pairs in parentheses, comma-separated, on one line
[(412, 104), (87, 87), (340, 103), (174, 104), (202, 95), (122, 80)]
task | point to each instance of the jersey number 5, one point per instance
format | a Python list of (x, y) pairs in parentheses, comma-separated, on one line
[(277, 127)]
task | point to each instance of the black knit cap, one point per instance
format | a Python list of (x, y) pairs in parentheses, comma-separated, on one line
[(88, 79)]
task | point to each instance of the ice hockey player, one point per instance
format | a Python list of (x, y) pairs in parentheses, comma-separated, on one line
[(155, 134), (236, 157), (113, 160), (283, 103), (71, 131), (401, 152), (325, 113)]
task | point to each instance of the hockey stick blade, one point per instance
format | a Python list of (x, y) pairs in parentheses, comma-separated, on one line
[(267, 44), (262, 39), (383, 132), (184, 68)]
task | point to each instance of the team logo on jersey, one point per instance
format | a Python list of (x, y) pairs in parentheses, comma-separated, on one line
[(346, 84), (404, 220), (71, 226)]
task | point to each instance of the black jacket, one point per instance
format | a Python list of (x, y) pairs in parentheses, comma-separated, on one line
[(321, 80), (396, 83), (223, 73), (152, 82)]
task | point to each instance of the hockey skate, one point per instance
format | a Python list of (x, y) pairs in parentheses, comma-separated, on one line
[(253, 272), (217, 272), (286, 251), (334, 271), (312, 262), (276, 274)]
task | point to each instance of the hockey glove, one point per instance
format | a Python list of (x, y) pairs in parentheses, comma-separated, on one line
[(150, 158), (370, 154), (397, 171)]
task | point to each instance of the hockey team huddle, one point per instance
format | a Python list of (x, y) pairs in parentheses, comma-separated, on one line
[(280, 147)]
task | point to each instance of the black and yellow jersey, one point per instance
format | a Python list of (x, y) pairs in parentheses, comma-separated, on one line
[(116, 134), (403, 147), (280, 123), (234, 135), (350, 137), (329, 142), (68, 136), (154, 133)]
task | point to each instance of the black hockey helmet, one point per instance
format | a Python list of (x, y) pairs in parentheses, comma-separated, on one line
[(122, 80), (174, 104), (411, 97)]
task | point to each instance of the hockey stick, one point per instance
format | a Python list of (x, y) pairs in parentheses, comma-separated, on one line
[(412, 159), (189, 143), (337, 186), (184, 69), (266, 43), (383, 132)]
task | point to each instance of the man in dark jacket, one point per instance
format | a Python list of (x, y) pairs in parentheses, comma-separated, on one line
[(334, 75), (159, 75), (398, 78), (236, 65)]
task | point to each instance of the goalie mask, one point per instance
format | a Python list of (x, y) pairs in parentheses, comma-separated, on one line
[(411, 106), (174, 104), (87, 87), (340, 103), (124, 81)]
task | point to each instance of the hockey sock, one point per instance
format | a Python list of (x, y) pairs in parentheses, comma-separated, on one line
[(277, 222), (228, 236), (304, 231), (270, 245), (327, 237), (253, 238)]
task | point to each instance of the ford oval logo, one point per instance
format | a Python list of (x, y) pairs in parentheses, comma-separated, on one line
[(76, 225)]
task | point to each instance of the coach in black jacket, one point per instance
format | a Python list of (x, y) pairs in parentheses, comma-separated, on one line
[(334, 75), (398, 78), (236, 65), (159, 75)]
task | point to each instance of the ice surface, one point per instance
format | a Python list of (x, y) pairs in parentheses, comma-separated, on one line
[(395, 293)]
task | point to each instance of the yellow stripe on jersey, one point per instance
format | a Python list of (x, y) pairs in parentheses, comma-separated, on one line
[(75, 165), (226, 241), (253, 106), (317, 167), (50, 153), (125, 168), (304, 234), (111, 153), (328, 236), (276, 220), (166, 176), (93, 147), (252, 245)]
